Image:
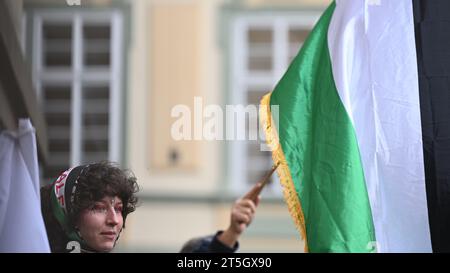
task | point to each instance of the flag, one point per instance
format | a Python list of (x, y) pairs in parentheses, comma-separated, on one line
[(22, 227), (349, 135)]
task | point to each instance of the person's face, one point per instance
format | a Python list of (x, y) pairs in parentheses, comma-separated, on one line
[(100, 225)]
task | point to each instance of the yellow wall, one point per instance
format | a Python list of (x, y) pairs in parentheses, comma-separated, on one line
[(171, 62), (163, 227), (174, 57)]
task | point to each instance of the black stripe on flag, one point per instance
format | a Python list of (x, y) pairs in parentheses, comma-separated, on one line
[(432, 31)]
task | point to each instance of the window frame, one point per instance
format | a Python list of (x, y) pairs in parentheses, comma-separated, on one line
[(77, 76)]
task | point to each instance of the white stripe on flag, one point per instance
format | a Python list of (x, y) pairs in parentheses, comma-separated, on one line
[(373, 56)]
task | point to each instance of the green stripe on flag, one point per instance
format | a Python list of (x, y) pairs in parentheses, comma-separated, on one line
[(320, 147)]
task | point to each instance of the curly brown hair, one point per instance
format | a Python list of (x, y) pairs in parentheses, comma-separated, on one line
[(105, 179), (97, 181)]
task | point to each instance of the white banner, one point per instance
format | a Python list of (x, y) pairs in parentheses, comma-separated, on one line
[(22, 227)]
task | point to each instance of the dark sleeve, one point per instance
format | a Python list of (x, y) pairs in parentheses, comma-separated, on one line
[(207, 244), (216, 246)]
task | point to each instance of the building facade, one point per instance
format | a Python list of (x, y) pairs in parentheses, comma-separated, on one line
[(109, 76)]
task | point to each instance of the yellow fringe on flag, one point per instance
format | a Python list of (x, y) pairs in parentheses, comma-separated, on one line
[(290, 194)]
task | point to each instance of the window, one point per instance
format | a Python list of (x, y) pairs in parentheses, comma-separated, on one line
[(77, 59), (262, 47)]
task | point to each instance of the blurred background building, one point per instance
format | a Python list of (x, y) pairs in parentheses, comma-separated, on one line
[(99, 79)]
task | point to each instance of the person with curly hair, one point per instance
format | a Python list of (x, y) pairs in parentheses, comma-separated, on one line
[(85, 209)]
